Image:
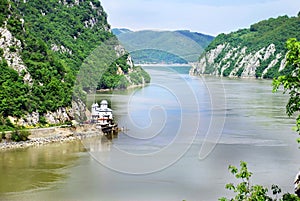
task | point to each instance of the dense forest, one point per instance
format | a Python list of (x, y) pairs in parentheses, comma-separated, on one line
[(253, 43), (43, 46)]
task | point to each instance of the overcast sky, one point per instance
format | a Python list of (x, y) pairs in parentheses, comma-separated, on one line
[(204, 16)]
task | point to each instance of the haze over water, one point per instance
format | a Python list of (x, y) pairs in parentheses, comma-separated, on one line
[(167, 125)]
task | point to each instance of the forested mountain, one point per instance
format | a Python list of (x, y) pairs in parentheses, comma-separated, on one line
[(258, 51), (44, 47), (163, 46), (153, 56)]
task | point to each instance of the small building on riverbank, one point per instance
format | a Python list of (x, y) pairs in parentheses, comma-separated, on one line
[(102, 114)]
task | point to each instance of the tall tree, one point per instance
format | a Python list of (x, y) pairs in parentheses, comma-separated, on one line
[(291, 82)]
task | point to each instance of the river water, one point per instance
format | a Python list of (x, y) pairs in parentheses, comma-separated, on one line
[(180, 134)]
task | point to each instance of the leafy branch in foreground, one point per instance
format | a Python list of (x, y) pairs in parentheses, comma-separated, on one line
[(246, 192), (291, 82)]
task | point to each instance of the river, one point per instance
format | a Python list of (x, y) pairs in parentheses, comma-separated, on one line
[(180, 134)]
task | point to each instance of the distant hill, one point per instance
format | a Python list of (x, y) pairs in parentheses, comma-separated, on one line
[(258, 52), (156, 57), (120, 31), (183, 45)]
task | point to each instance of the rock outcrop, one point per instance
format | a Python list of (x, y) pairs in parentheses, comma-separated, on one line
[(227, 60), (11, 47)]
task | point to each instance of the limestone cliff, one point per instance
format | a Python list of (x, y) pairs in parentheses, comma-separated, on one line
[(237, 62), (257, 52)]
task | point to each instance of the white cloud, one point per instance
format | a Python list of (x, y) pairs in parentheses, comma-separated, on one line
[(204, 16)]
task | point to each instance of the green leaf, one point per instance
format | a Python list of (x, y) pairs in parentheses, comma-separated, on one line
[(233, 169), (230, 186)]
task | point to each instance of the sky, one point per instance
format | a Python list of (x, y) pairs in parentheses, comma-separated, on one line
[(204, 16)]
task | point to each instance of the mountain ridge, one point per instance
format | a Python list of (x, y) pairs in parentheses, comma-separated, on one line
[(181, 44)]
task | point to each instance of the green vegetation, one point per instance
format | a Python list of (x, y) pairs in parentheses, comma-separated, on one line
[(14, 93), (260, 35), (240, 71), (184, 44), (56, 39), (201, 39), (291, 81), (19, 135), (5, 124), (138, 75), (246, 192), (151, 56)]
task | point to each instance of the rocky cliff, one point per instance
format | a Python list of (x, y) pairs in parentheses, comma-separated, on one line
[(43, 48), (257, 52), (237, 62)]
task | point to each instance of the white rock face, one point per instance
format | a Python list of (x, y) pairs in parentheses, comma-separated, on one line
[(251, 62), (129, 61), (90, 23), (200, 67), (78, 111), (57, 117), (213, 54), (60, 48), (76, 2), (272, 64), (92, 5), (237, 58), (29, 120), (207, 60), (270, 51), (283, 63), (11, 53), (120, 50)]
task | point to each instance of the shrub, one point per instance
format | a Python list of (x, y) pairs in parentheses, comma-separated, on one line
[(20, 135), (42, 120), (3, 135)]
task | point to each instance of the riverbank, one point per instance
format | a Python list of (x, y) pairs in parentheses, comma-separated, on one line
[(164, 65), (39, 137)]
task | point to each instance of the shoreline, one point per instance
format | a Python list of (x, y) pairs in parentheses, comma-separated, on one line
[(156, 65), (130, 87), (58, 135)]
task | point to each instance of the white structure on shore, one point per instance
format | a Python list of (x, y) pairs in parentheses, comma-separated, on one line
[(102, 115)]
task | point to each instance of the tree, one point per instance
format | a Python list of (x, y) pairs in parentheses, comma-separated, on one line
[(243, 190), (246, 192), (291, 81)]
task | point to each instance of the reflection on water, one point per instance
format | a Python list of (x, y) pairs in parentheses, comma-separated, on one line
[(36, 167), (98, 144)]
